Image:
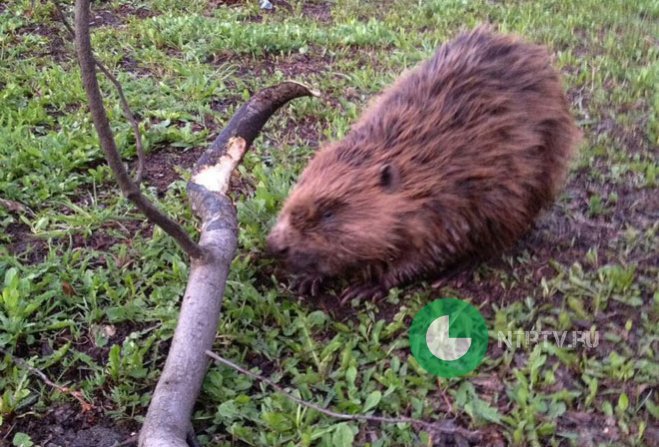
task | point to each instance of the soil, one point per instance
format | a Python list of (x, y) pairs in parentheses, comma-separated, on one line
[(162, 168), (56, 48), (119, 16), (24, 246), (68, 426), (215, 4)]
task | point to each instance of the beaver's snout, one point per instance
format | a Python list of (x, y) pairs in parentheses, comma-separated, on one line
[(278, 244), (277, 249), (295, 257), (298, 260)]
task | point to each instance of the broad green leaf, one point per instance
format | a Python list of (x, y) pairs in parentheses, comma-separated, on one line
[(343, 436), (372, 400)]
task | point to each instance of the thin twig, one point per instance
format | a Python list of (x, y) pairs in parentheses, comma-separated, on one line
[(15, 207), (122, 99), (86, 406), (581, 219), (443, 427), (126, 442), (8, 432), (106, 138)]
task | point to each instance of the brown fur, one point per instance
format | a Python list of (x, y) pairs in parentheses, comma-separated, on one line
[(454, 160)]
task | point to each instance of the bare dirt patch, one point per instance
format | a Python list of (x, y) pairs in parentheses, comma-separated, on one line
[(162, 168), (318, 11), (56, 43), (67, 426), (24, 246), (215, 4), (119, 15), (296, 65), (125, 11), (104, 18)]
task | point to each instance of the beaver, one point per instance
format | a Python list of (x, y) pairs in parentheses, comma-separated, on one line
[(450, 163)]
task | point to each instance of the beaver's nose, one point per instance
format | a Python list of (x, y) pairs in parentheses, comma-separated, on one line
[(276, 246), (279, 251)]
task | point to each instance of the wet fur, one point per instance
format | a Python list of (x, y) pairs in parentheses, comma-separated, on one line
[(453, 161)]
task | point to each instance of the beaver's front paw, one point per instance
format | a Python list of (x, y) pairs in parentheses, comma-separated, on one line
[(372, 291), (307, 284)]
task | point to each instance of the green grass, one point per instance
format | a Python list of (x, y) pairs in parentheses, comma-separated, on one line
[(90, 294)]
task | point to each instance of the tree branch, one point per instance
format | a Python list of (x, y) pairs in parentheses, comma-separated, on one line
[(106, 139), (250, 118), (141, 158)]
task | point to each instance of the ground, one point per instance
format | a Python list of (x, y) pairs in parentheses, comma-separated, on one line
[(90, 291)]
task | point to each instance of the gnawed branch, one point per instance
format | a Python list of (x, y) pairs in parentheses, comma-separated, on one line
[(167, 422), (168, 419)]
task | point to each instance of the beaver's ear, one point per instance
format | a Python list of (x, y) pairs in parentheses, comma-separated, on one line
[(389, 177)]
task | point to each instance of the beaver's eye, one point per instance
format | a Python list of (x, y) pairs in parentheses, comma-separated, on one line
[(389, 177), (327, 209)]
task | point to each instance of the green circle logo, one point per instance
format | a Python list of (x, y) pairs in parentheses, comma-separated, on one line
[(448, 337)]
